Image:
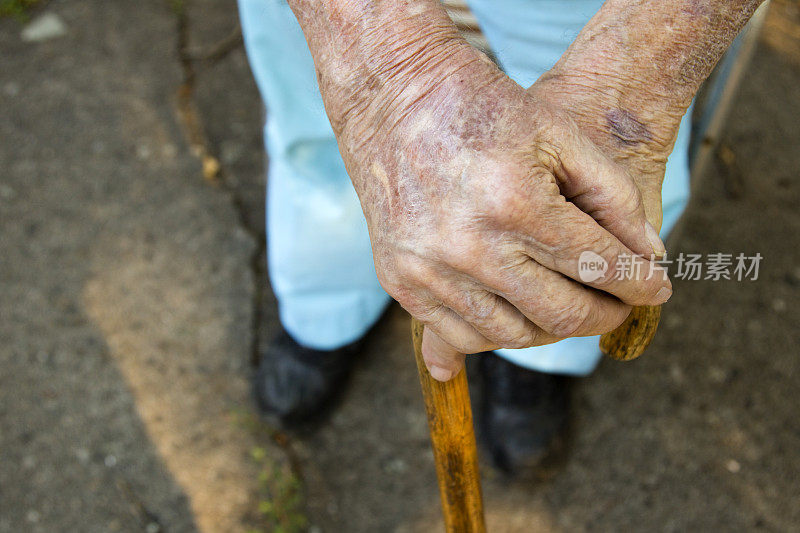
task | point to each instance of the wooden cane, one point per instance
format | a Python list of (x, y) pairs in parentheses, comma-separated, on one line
[(632, 337), (450, 420), (454, 449)]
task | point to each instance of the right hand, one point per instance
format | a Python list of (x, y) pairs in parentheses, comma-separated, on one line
[(480, 198)]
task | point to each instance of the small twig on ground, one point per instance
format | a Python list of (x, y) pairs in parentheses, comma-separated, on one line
[(218, 50)]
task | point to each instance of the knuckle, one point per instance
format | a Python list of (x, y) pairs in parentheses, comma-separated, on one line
[(521, 339), (483, 310), (413, 276), (647, 292), (568, 236), (533, 335), (632, 201), (413, 268), (423, 309), (472, 347), (504, 207), (398, 272), (620, 204), (391, 284), (611, 256), (505, 203), (570, 320), (550, 153), (479, 307), (432, 315), (462, 251)]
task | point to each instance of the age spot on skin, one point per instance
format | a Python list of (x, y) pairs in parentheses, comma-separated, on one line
[(627, 128), (377, 171), (416, 9), (423, 123)]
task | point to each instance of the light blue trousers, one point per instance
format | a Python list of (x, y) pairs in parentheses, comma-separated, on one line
[(320, 260)]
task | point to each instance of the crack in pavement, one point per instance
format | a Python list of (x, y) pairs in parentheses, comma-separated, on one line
[(215, 174)]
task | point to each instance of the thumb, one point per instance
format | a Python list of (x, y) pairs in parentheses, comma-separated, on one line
[(443, 361)]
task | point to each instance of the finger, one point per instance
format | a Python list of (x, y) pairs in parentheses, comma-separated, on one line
[(489, 314), (556, 304), (563, 238), (443, 361), (451, 327), (603, 189)]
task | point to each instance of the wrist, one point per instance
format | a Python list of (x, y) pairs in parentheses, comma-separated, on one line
[(641, 63), (621, 113), (392, 78), (372, 57)]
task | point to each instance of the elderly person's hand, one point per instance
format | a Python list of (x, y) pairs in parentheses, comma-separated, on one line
[(619, 134), (480, 200), (480, 197), (632, 72), (629, 77)]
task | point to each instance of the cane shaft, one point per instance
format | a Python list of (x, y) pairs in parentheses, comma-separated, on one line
[(450, 420), (454, 448)]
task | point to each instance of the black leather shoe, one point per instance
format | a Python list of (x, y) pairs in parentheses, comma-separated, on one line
[(295, 383), (524, 416)]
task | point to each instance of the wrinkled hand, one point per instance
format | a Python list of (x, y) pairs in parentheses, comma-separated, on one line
[(480, 197), (618, 133)]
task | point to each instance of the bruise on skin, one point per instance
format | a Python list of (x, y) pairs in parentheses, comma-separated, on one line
[(653, 56), (627, 128)]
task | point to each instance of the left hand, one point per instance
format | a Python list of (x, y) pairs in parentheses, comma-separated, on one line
[(592, 104)]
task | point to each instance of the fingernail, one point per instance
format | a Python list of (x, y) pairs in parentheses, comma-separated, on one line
[(655, 242), (662, 295), (440, 374)]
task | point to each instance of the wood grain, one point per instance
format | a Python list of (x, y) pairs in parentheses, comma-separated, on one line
[(454, 448), (450, 420), (632, 337)]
